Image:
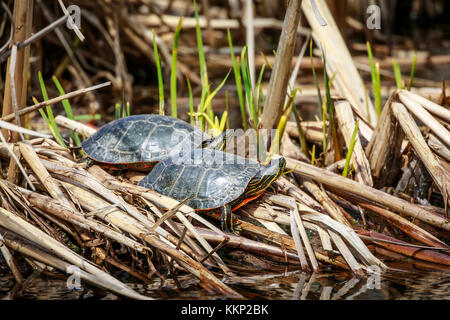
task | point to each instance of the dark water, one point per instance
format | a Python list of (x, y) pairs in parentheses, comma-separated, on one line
[(287, 286)]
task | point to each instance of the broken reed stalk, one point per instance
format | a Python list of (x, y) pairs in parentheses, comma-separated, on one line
[(432, 107), (345, 186), (440, 148), (347, 80), (412, 230), (38, 168), (346, 120), (421, 113), (10, 261), (311, 129), (292, 205), (384, 149), (348, 256), (418, 253), (277, 90), (322, 197), (23, 13)]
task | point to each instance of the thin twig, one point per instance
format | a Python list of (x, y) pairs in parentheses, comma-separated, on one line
[(42, 104), (38, 35)]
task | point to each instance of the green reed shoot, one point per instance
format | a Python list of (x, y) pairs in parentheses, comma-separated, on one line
[(238, 80), (191, 102), (413, 70), (173, 75), (324, 125), (117, 110), (259, 100), (350, 150), (301, 134), (160, 77), (49, 117), (276, 141), (68, 109), (313, 154), (87, 117), (398, 75), (330, 110), (250, 97), (376, 82), (319, 97), (316, 81), (203, 69), (227, 108), (214, 125)]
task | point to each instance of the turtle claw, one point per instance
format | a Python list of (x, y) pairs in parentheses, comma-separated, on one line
[(228, 221)]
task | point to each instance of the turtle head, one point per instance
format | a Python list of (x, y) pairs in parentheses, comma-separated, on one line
[(219, 142), (266, 176)]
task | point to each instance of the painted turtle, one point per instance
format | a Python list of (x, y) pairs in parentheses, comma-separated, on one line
[(213, 180), (140, 141)]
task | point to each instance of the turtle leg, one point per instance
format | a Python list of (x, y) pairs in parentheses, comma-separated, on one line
[(228, 220), (273, 187)]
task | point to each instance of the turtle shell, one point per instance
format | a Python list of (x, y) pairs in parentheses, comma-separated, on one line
[(141, 138), (208, 178)]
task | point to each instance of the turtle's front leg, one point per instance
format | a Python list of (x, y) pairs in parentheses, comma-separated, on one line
[(228, 221)]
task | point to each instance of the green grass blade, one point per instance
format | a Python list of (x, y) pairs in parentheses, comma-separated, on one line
[(350, 150), (258, 91), (238, 80), (51, 119), (324, 126), (413, 70), (330, 110), (372, 63), (173, 75), (128, 109), (87, 117), (316, 81), (377, 92), (248, 88), (42, 112), (160, 77), (212, 94), (69, 113), (301, 134), (313, 154), (117, 111), (227, 108), (376, 85)]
